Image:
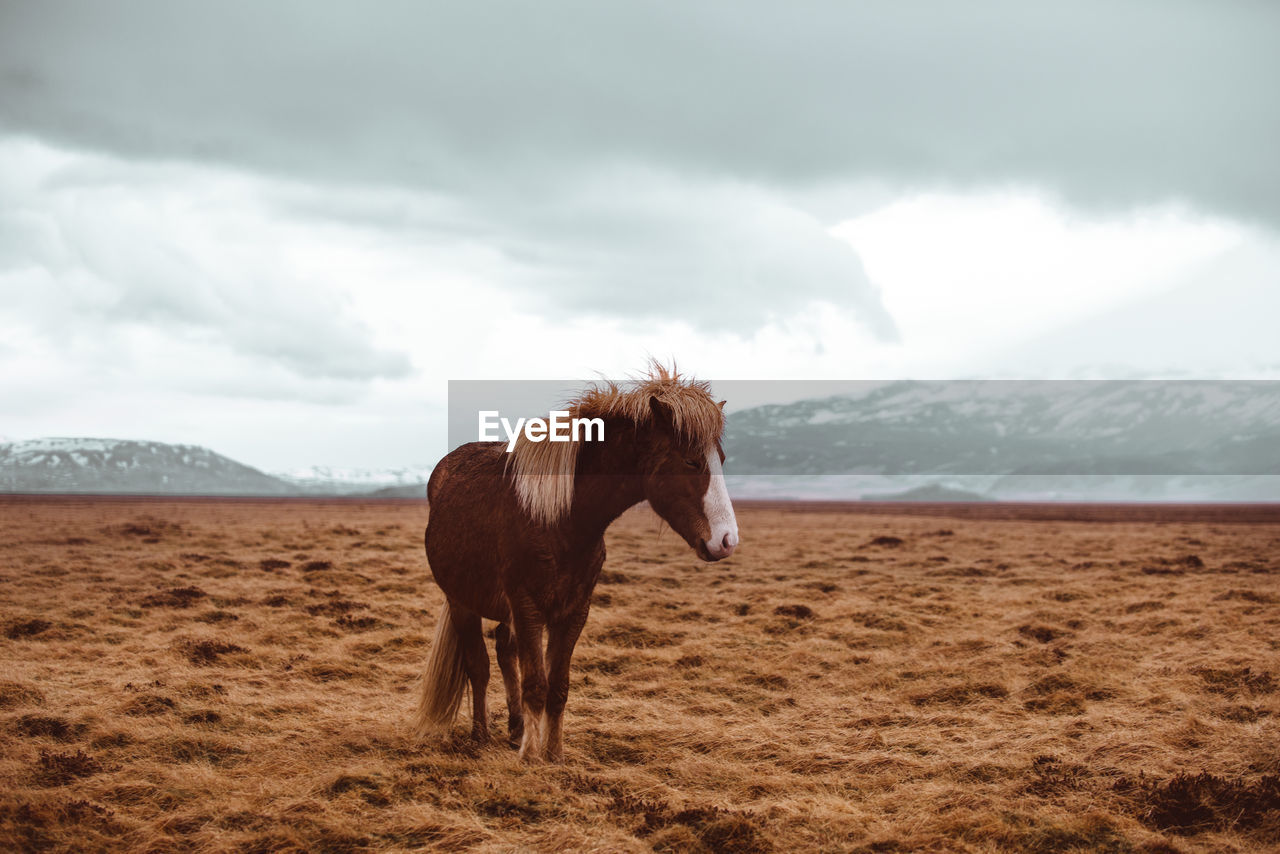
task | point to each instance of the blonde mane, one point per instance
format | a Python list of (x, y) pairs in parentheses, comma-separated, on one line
[(543, 471)]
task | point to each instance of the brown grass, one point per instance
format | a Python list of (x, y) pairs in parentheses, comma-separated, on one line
[(240, 676)]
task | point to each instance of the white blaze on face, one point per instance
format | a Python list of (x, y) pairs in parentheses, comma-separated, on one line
[(718, 510)]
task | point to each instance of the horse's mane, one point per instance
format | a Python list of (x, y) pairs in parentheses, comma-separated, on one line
[(543, 471)]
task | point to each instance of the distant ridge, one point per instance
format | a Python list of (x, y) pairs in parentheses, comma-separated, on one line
[(126, 466), (414, 490), (1194, 441), (1138, 440), (933, 492), (400, 482)]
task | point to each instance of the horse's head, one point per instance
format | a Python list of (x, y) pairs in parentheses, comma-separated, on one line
[(684, 483)]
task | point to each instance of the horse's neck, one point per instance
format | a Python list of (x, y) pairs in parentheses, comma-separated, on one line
[(607, 482)]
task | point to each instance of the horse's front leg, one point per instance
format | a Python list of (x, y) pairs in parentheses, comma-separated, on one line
[(528, 624), (562, 636)]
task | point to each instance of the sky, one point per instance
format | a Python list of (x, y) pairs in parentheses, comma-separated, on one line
[(279, 229)]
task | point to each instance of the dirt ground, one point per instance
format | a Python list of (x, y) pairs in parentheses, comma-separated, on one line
[(239, 675)]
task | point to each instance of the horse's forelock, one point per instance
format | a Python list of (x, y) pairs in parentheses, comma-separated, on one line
[(695, 415)]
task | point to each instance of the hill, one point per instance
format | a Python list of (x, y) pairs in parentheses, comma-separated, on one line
[(124, 466), (1048, 440)]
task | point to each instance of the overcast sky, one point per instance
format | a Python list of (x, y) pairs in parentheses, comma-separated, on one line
[(278, 229)]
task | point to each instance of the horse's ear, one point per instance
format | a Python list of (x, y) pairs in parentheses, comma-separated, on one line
[(663, 416)]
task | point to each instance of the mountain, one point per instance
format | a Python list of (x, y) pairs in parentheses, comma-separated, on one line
[(403, 482), (1134, 440), (408, 490), (934, 441), (934, 492), (126, 466)]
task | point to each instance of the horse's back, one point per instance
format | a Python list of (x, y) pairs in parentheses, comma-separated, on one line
[(468, 467)]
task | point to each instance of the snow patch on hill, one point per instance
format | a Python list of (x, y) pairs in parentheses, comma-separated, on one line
[(61, 464), (371, 477)]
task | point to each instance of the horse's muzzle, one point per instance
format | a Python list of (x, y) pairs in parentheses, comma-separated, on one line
[(719, 551)]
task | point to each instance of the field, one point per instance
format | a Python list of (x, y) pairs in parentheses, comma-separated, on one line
[(222, 675)]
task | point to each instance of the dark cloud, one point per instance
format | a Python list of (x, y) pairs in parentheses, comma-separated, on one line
[(526, 112), (1130, 101)]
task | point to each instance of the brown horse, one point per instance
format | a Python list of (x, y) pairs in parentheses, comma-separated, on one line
[(519, 538)]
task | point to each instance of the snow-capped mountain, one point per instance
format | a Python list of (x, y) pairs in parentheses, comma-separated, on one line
[(1066, 439), (127, 466), (408, 482)]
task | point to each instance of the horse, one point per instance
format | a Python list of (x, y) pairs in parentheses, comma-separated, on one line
[(518, 538)]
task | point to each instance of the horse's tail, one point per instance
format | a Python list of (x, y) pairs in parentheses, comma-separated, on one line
[(444, 681)]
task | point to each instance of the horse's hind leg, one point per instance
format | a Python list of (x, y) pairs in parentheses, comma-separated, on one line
[(506, 644), (476, 661)]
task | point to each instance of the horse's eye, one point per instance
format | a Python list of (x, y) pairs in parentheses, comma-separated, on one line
[(693, 464)]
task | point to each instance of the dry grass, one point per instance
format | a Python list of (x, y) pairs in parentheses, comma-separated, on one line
[(240, 676)]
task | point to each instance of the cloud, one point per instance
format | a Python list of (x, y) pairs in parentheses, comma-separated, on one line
[(96, 248), (225, 210), (650, 158), (638, 244), (1108, 104)]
